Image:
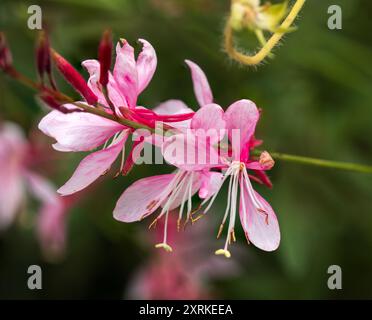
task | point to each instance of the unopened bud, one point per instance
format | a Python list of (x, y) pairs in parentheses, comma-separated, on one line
[(104, 57), (6, 60), (266, 160), (55, 103), (74, 78), (43, 55)]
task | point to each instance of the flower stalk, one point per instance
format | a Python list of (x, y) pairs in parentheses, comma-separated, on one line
[(319, 162), (266, 49)]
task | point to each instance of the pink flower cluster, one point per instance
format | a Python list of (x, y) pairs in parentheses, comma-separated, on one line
[(207, 147), (118, 95)]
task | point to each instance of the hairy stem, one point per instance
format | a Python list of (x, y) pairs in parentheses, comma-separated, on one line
[(270, 44)]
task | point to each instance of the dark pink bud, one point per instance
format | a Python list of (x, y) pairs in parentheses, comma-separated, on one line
[(6, 61), (104, 57), (53, 102), (43, 55), (74, 78)]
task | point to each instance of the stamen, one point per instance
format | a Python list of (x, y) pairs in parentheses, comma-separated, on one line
[(242, 196), (246, 236), (166, 228), (189, 201), (153, 224), (164, 246), (228, 200), (220, 231), (105, 145), (193, 220), (224, 252), (122, 160), (233, 236), (181, 180), (234, 195)]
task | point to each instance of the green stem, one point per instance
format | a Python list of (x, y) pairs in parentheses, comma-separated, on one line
[(319, 162), (104, 114)]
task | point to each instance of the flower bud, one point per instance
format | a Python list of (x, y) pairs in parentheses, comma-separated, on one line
[(266, 160), (6, 61), (74, 78), (55, 103), (104, 57), (43, 55)]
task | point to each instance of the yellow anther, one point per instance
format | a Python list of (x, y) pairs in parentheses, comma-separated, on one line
[(224, 252), (164, 246)]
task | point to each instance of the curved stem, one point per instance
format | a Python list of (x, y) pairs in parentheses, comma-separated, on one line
[(271, 43), (319, 162)]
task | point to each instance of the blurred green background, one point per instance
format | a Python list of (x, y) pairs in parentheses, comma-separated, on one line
[(316, 97)]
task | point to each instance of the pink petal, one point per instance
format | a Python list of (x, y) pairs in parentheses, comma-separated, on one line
[(209, 121), (146, 65), (133, 156), (92, 167), (13, 149), (172, 107), (202, 89), (142, 198), (211, 183), (262, 229), (51, 220), (11, 195), (93, 67), (264, 178), (51, 229), (241, 119), (41, 188), (125, 73), (78, 131), (189, 152)]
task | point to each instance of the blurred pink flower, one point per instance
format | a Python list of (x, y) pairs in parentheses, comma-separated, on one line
[(185, 274), (16, 176)]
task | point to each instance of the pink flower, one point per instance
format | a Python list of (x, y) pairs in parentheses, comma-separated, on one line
[(80, 131), (170, 191), (17, 178), (257, 217)]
